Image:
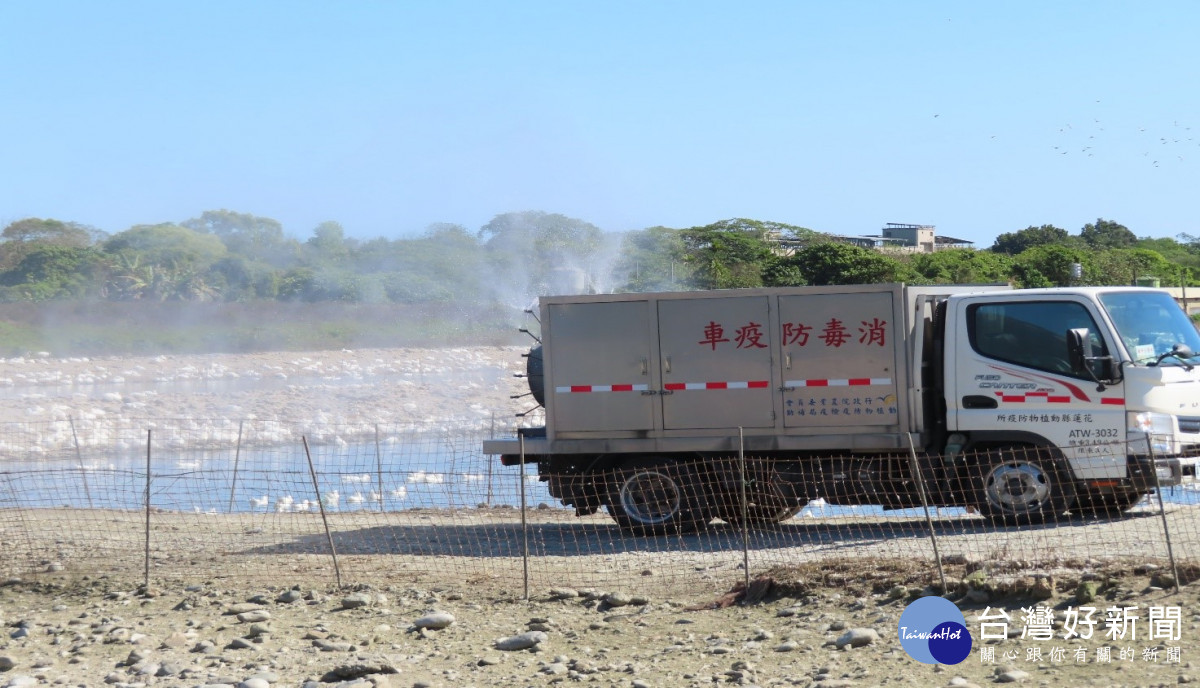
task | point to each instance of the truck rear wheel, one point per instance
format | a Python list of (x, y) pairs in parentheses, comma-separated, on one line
[(658, 498), (1019, 485)]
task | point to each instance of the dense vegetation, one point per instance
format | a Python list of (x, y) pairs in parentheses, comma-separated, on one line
[(246, 263), (233, 257)]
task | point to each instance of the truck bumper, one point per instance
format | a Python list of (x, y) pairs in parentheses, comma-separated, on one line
[(1170, 471)]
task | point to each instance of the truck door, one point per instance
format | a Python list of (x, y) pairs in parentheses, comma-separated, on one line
[(1011, 376), (716, 363)]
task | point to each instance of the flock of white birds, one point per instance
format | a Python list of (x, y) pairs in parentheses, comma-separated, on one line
[(333, 397)]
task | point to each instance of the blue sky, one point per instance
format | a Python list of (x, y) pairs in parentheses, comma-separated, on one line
[(980, 118)]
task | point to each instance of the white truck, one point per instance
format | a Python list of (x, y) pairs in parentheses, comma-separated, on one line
[(1018, 404)]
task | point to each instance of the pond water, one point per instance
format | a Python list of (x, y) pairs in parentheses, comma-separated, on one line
[(270, 479)]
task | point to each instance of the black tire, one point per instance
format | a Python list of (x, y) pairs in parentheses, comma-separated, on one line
[(657, 499), (1021, 485), (1112, 504)]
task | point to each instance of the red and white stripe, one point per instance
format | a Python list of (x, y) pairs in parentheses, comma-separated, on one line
[(1053, 399), (839, 382), (577, 389), (747, 384), (1044, 396)]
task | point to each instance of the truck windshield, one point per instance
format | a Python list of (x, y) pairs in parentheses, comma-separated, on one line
[(1150, 324)]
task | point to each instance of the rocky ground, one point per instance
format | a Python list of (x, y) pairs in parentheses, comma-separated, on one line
[(99, 632)]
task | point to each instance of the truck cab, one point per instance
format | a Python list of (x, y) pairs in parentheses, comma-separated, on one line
[(1100, 380)]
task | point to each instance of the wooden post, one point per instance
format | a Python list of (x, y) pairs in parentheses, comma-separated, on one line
[(146, 572), (524, 520), (337, 571), (915, 466), (379, 467), (237, 455), (79, 459)]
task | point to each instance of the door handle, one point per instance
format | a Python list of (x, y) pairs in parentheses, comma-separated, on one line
[(978, 401)]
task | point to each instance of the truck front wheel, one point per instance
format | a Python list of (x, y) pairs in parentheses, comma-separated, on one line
[(656, 499), (1019, 485)]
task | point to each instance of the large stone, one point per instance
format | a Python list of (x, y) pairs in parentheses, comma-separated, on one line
[(331, 646), (435, 620), (618, 599), (350, 672), (254, 616), (356, 600), (1014, 676), (856, 637), (241, 608), (524, 641)]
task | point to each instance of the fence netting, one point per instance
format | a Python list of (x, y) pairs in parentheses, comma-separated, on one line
[(189, 499)]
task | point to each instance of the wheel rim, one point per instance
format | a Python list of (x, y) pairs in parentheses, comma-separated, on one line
[(650, 497), (1018, 487)]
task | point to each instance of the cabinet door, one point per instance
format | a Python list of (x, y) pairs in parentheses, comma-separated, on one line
[(716, 363), (600, 362), (839, 360)]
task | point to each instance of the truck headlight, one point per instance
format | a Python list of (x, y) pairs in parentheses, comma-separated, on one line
[(1158, 428), (1152, 423)]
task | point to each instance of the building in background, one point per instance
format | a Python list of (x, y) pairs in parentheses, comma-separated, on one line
[(898, 237)]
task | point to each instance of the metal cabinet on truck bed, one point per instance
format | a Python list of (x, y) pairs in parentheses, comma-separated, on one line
[(687, 370)]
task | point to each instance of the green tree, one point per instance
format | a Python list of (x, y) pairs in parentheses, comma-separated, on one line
[(1183, 253), (22, 236), (298, 284), (1126, 266), (768, 231), (161, 262), (446, 264), (729, 254), (257, 238), (1047, 266), (33, 229), (166, 243), (836, 263), (1107, 234), (1017, 242), (534, 252), (652, 259), (240, 278), (55, 271), (961, 266), (328, 244)]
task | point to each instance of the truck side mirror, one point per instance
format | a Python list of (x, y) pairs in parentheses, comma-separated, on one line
[(1079, 355), (1079, 348)]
